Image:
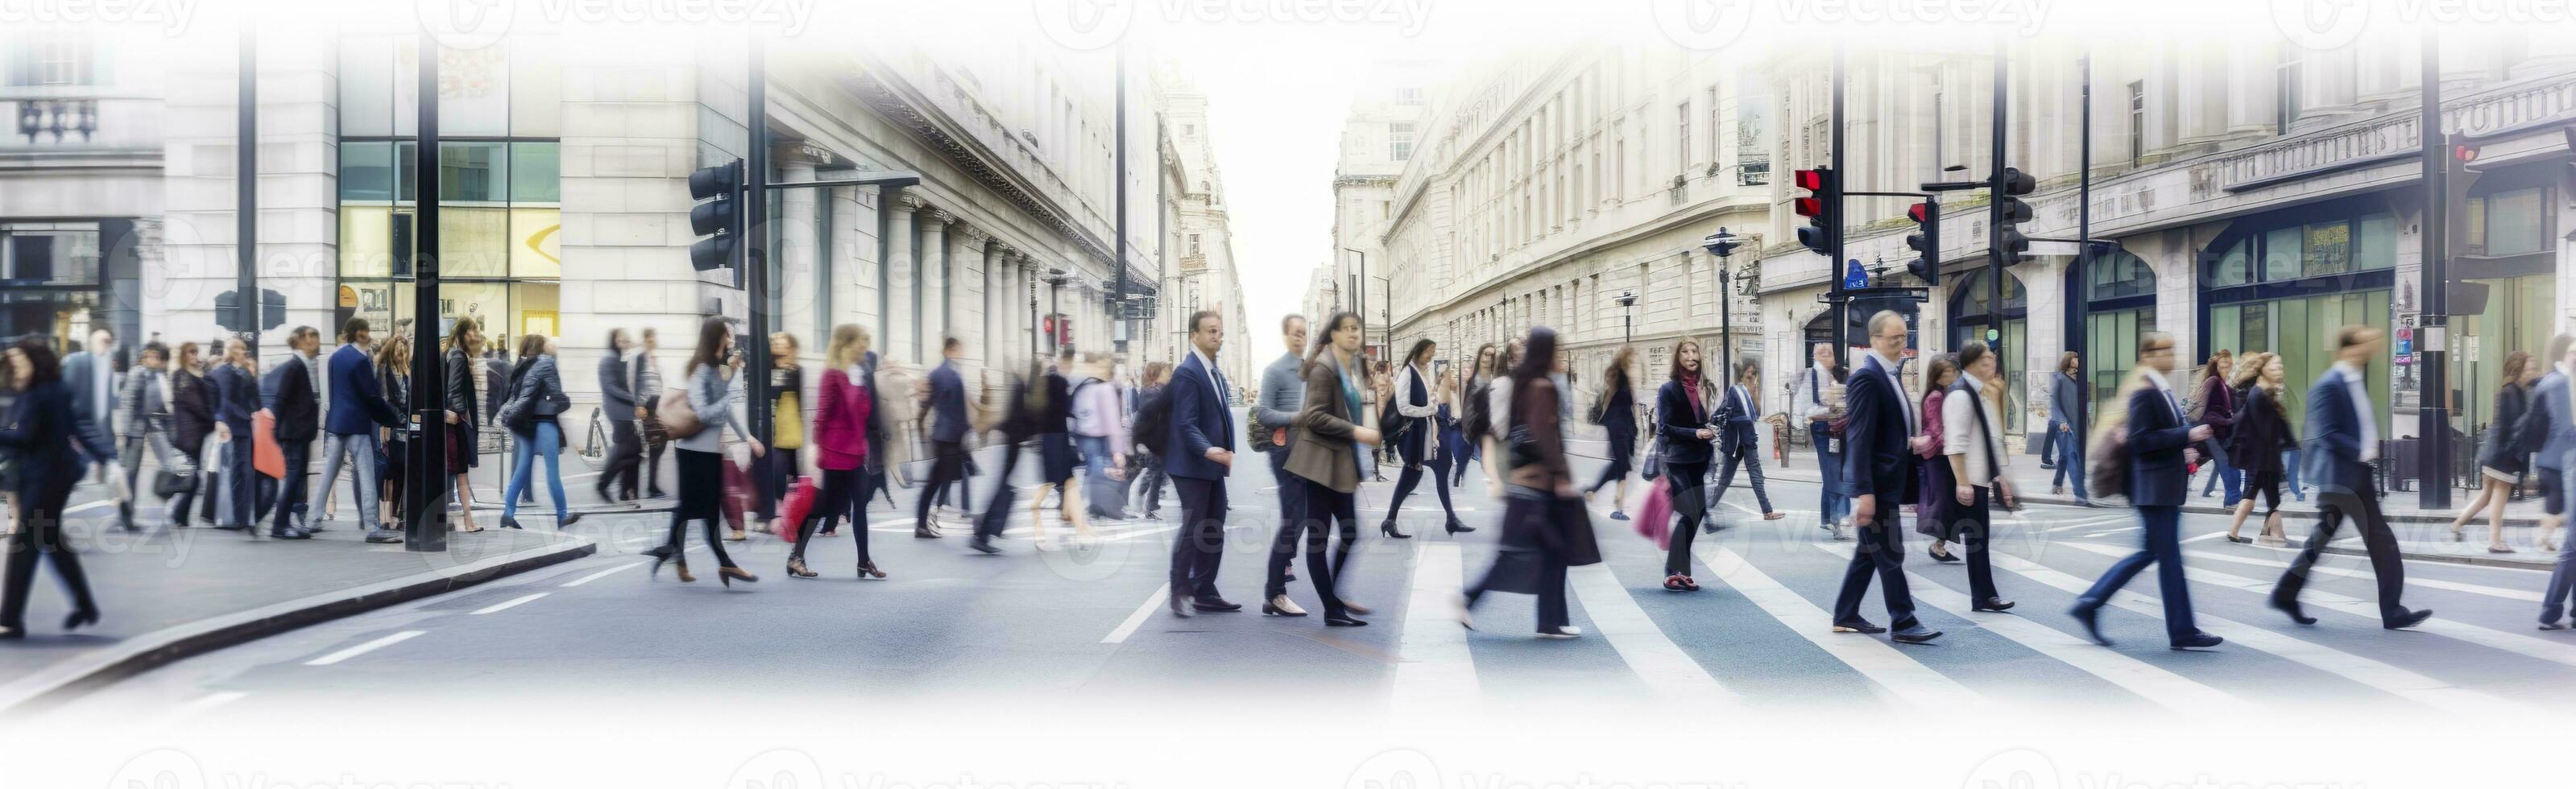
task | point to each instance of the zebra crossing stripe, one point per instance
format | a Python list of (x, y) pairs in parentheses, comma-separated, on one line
[(1434, 672), (1671, 672), (1909, 680)]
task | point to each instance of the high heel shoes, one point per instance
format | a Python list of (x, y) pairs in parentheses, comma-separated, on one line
[(1455, 527), (796, 569), (680, 570), (1388, 529), (869, 570), (728, 575)]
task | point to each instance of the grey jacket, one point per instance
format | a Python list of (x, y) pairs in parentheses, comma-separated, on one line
[(615, 393), (708, 396), (1282, 392), (2061, 400), (2549, 412)]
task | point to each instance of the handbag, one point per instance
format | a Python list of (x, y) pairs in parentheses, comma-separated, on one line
[(793, 511), (1655, 515), (677, 418), (265, 455), (173, 481), (595, 445), (1654, 466)]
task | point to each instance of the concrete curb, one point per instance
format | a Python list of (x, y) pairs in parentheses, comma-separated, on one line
[(2210, 509), (69, 679)]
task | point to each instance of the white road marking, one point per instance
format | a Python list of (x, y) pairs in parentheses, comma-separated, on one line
[(604, 573), (2210, 536), (507, 604), (2527, 646), (1879, 660), (2113, 531), (2524, 595), (2089, 524), (1434, 671), (2151, 683), (1653, 656), (198, 706), (2381, 676), (365, 648), (1135, 620)]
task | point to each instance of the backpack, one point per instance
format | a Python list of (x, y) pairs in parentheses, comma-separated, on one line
[(2106, 465), (1153, 429)]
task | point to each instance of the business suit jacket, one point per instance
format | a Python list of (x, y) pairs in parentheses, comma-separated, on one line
[(287, 391), (79, 376), (616, 394), (2062, 393), (2332, 451), (948, 404), (192, 411), (2262, 434), (2157, 437), (1320, 447), (236, 397), (44, 432), (1876, 460), (357, 398), (2547, 427), (1680, 422), (1735, 418), (1201, 419)]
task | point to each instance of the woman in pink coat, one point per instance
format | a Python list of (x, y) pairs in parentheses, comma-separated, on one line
[(841, 450)]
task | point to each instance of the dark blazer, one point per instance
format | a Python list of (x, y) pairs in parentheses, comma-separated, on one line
[(79, 377), (616, 394), (2218, 409), (1876, 461), (286, 390), (948, 421), (462, 397), (2262, 433), (192, 410), (1735, 422), (42, 430), (1680, 422), (357, 398), (236, 397), (2332, 452), (541, 382), (2502, 449), (2155, 444), (1200, 419), (396, 384)]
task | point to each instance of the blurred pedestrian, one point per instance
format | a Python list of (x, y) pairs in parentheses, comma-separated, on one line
[(1817, 401), (1417, 439), (618, 403), (1329, 445), (786, 427), (2065, 414), (294, 401), (841, 406), (91, 377), (647, 371), (2343, 439), (1473, 424), (2214, 405), (2500, 453), (2156, 436), (1974, 444), (1932, 504), (1100, 435), (1025, 408), (948, 429), (701, 457), (236, 390), (143, 403), (1546, 530), (1055, 451), (45, 435), (2551, 427), (463, 348), (393, 378), (1616, 413), (1283, 394), (1146, 467), (2262, 431), (358, 410), (539, 404), (1739, 442), (192, 419)]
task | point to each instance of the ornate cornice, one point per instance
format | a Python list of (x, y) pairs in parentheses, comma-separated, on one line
[(966, 154)]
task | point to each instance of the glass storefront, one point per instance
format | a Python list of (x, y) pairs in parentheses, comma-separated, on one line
[(2289, 281), (1972, 313), (2120, 306), (49, 279)]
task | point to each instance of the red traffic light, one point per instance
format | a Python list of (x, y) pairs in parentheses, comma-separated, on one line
[(2464, 153), (1917, 211), (1812, 180), (1809, 206)]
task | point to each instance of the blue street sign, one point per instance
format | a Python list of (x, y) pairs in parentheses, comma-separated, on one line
[(1853, 277)]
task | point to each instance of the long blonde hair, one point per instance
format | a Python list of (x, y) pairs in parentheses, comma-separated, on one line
[(848, 347)]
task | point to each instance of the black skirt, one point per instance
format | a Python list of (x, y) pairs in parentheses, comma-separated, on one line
[(1055, 458)]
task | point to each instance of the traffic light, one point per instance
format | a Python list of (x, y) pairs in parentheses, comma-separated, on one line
[(1823, 208), (2457, 179), (228, 311), (2011, 246), (717, 217), (1925, 242)]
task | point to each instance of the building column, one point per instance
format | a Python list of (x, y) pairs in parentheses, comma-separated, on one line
[(895, 276), (2250, 107), (930, 294), (800, 273), (996, 284), (966, 292)]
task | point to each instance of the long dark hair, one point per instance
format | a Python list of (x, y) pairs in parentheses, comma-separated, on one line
[(1943, 363), (712, 335), (1415, 355), (1536, 358), (44, 364), (1484, 366), (1616, 378), (1324, 339), (1676, 363)]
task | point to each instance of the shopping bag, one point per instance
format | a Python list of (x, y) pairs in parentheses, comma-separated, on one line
[(1655, 515), (799, 505), (265, 455), (737, 494)]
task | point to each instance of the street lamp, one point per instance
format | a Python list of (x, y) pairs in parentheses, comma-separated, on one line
[(1723, 245), (1055, 281), (1627, 321)]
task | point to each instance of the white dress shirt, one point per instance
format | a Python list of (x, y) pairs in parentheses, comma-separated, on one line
[(2166, 388), (1913, 421), (1985, 457)]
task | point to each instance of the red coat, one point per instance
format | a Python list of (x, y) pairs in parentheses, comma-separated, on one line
[(841, 422)]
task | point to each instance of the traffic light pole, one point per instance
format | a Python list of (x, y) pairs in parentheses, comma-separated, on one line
[(2078, 279), (246, 192), (1834, 260), (1995, 251), (754, 243), (2433, 407), (425, 509), (1118, 246)]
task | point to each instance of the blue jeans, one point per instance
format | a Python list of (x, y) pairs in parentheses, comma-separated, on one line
[(2224, 472), (547, 444), (2562, 578), (1829, 470), (2290, 473), (2070, 463)]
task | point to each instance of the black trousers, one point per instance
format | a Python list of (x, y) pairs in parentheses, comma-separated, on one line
[(653, 467), (1292, 524), (699, 502), (625, 457), (290, 491), (1413, 476), (776, 469), (40, 535), (1752, 461), (1976, 531), (843, 495), (962, 485), (997, 507), (1622, 452), (179, 504), (1690, 490), (947, 467), (1881, 550), (1199, 549), (1324, 505), (2362, 508)]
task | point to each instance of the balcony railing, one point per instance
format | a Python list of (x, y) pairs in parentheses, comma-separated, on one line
[(2392, 134), (74, 119)]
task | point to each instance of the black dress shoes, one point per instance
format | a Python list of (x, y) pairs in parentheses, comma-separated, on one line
[(2407, 619), (289, 533), (1858, 626), (1180, 606), (1938, 556), (1993, 604), (1343, 621), (1916, 634), (1214, 605), (2289, 605), (2197, 641), (2090, 617)]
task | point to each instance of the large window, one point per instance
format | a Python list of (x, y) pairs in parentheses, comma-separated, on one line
[(2302, 330), (1972, 314), (2508, 223), (1399, 141), (2120, 306), (2316, 249)]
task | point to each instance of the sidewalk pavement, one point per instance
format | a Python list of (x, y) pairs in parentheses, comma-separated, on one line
[(166, 594)]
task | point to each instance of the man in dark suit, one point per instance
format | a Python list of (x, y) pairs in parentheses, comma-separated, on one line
[(358, 407), (617, 401), (948, 428), (2158, 445), (1878, 474), (2343, 439), (1738, 442), (1201, 455), (92, 378), (287, 393)]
